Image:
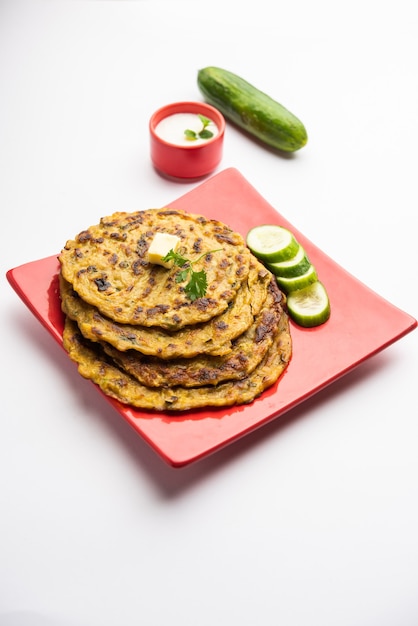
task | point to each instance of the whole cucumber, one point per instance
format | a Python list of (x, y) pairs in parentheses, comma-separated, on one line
[(251, 109)]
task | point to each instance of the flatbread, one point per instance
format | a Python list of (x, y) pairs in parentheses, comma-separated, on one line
[(107, 266), (133, 329), (246, 353), (213, 337), (94, 365)]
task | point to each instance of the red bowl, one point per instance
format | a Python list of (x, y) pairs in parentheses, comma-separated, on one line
[(194, 159)]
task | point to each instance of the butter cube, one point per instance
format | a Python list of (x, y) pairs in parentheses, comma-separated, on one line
[(160, 246)]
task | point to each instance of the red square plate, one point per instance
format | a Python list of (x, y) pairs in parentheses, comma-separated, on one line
[(349, 337)]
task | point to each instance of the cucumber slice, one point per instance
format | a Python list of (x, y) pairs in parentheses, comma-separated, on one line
[(271, 243), (296, 266), (292, 283), (310, 306)]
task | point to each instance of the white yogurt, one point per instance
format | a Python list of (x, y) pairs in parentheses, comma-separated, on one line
[(171, 129)]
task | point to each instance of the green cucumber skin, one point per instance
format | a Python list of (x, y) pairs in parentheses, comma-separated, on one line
[(251, 109)]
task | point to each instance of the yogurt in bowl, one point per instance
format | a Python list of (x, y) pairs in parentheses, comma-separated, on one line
[(186, 139), (186, 129)]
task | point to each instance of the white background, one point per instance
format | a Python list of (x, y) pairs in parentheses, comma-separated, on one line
[(312, 520)]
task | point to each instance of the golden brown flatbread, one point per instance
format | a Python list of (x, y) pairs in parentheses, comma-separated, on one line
[(246, 353), (133, 329), (94, 365), (107, 266), (213, 337)]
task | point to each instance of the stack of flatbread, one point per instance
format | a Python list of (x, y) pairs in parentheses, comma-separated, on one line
[(133, 329)]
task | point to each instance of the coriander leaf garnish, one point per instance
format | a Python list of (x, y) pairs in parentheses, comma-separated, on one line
[(205, 121), (191, 135), (175, 257), (205, 134), (198, 284)]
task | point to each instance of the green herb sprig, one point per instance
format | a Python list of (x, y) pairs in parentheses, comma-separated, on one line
[(197, 281), (191, 135)]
